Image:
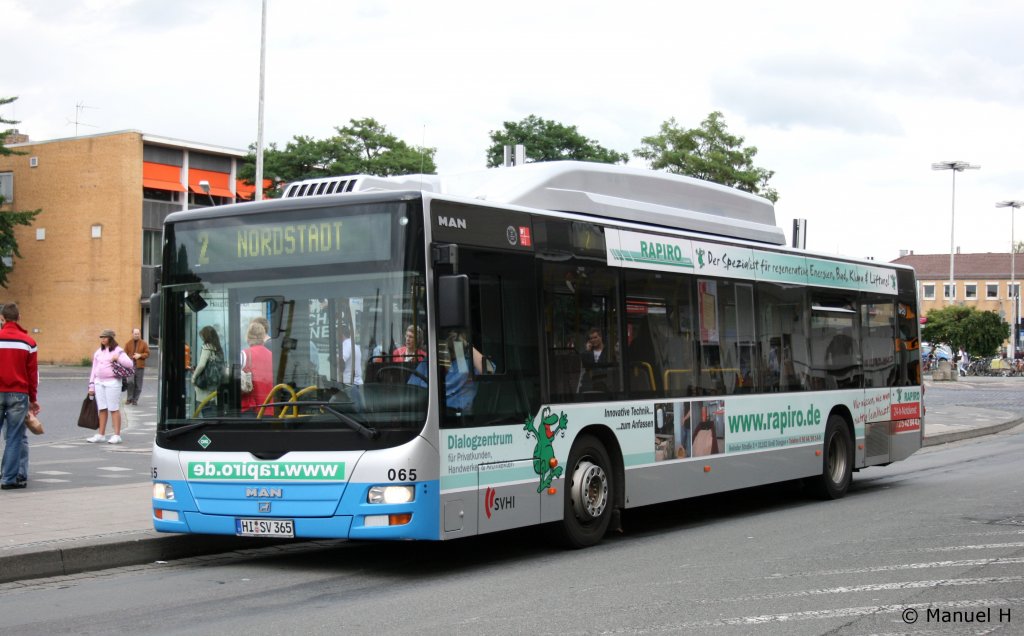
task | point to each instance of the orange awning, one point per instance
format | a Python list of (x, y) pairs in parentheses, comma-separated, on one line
[(160, 176), (219, 182), (159, 184), (214, 190), (246, 191)]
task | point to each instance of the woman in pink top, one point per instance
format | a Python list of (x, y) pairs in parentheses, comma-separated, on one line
[(411, 352), (258, 360), (107, 387)]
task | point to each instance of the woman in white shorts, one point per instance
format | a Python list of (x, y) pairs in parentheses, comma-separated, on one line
[(107, 387)]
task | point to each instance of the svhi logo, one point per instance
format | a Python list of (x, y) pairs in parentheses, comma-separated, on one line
[(493, 503)]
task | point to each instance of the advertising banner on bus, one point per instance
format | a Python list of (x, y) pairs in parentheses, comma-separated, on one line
[(671, 254)]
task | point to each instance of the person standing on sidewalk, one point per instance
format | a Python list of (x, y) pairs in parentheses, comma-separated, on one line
[(107, 387), (19, 381), (138, 350)]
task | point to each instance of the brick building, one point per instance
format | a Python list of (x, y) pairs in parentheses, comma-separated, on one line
[(982, 281), (89, 259)]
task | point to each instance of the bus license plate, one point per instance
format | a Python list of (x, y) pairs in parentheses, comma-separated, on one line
[(265, 528)]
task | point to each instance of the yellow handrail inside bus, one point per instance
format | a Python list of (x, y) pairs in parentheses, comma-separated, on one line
[(670, 372), (295, 395), (205, 401), (270, 398), (640, 367)]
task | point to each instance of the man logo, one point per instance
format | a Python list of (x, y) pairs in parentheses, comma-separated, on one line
[(264, 493), (451, 221)]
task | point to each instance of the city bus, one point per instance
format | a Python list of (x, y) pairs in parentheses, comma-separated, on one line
[(430, 358)]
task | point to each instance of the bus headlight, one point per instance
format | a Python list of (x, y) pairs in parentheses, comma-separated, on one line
[(163, 491), (391, 494)]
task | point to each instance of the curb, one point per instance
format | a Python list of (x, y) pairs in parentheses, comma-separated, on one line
[(956, 436), (142, 547)]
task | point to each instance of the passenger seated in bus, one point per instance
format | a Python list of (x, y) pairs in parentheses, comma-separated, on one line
[(596, 362), (411, 351), (461, 363)]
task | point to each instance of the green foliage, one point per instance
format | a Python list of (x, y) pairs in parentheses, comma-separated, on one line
[(363, 147), (708, 153), (547, 140), (980, 333), (10, 219)]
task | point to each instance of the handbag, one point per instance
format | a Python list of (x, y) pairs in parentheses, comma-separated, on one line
[(121, 371), (246, 375), (33, 424), (89, 417)]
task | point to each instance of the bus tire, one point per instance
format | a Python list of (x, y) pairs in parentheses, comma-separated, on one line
[(837, 461), (589, 494)]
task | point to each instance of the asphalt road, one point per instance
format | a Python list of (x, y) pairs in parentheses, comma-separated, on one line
[(932, 545)]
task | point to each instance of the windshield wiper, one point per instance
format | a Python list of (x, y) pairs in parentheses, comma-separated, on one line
[(366, 431), (191, 427)]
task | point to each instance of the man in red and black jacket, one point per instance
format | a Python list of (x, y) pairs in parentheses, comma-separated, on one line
[(19, 380)]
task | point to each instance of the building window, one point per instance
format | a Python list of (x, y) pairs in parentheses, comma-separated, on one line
[(992, 291), (97, 231), (40, 233), (151, 247), (160, 154), (949, 291), (928, 291), (1013, 290), (7, 187), (971, 291)]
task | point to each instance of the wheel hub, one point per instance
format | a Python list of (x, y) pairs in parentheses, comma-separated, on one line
[(589, 490)]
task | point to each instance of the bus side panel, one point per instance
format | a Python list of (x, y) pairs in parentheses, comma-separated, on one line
[(658, 483)]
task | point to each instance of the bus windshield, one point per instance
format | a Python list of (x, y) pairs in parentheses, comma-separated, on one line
[(293, 318)]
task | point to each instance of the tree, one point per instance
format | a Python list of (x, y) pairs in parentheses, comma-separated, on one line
[(363, 147), (980, 333), (547, 140), (9, 220), (708, 153)]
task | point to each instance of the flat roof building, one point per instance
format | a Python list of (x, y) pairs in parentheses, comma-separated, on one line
[(89, 260)]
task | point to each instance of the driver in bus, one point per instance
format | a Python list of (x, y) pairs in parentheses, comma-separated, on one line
[(462, 362)]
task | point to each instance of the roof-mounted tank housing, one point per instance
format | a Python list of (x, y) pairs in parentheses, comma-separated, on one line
[(617, 192)]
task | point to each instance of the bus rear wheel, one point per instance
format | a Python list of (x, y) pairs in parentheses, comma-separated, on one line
[(837, 464), (588, 497)]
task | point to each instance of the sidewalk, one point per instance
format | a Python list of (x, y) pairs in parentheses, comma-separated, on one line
[(54, 533)]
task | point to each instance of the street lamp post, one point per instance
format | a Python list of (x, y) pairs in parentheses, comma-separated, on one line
[(1014, 295), (955, 167)]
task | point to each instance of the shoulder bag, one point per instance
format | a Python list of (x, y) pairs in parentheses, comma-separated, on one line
[(246, 375)]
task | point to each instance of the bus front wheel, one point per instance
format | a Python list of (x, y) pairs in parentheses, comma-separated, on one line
[(588, 497), (837, 464)]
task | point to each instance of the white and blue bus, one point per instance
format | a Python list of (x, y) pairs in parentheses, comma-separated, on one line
[(432, 358)]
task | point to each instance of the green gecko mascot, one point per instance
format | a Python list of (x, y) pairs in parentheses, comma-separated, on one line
[(545, 463)]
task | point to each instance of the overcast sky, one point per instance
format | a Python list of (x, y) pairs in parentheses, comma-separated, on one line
[(849, 103)]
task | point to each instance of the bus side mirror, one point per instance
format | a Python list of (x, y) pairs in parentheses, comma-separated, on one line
[(453, 302), (154, 317)]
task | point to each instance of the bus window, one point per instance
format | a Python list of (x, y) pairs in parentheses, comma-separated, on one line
[(727, 345), (877, 337), (835, 342), (582, 325), (491, 373), (784, 356), (659, 334)]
